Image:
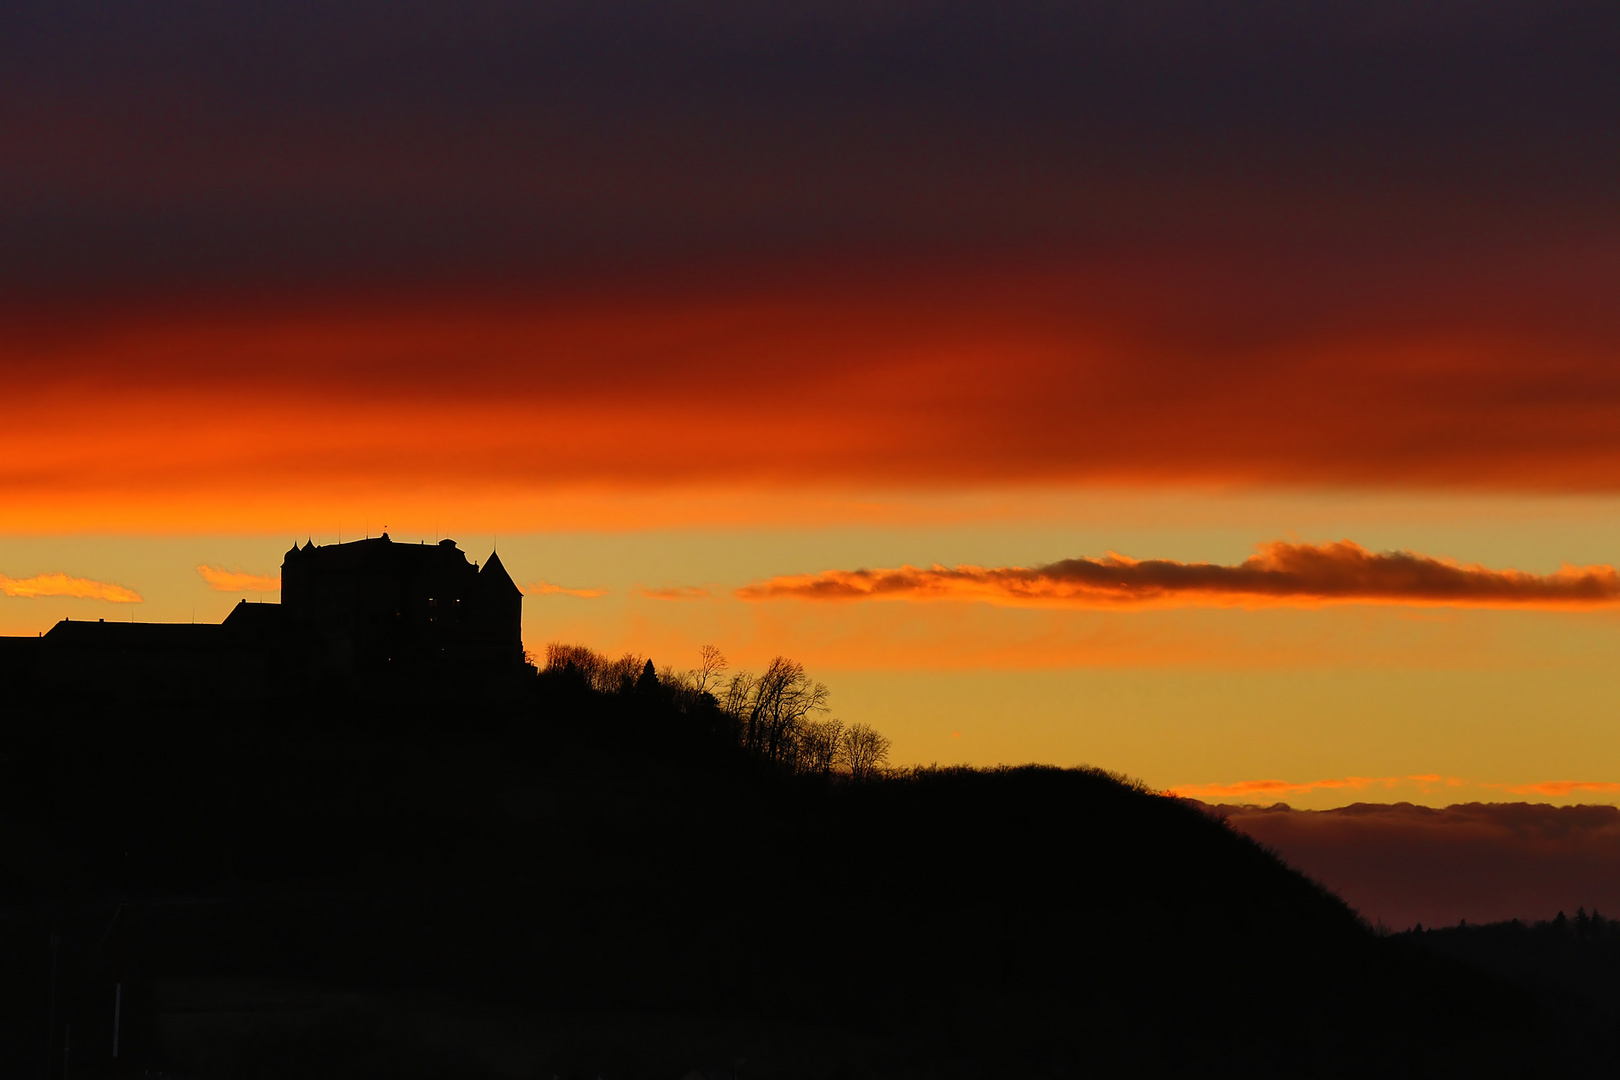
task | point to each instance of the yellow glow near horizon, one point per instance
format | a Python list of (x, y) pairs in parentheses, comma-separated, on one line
[(1515, 703)]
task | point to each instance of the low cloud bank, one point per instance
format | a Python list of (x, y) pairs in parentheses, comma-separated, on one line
[(63, 585), (222, 580), (1279, 574), (1403, 864)]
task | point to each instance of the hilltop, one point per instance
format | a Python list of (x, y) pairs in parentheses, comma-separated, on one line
[(605, 882)]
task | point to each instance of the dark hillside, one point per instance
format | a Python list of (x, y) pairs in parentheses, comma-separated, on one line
[(600, 883)]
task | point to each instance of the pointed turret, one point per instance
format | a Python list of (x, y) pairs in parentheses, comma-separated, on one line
[(498, 615), (493, 577)]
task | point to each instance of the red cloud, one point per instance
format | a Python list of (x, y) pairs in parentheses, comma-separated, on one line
[(794, 380), (1280, 574)]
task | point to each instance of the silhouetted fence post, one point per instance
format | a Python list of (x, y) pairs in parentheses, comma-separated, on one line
[(50, 1009), (119, 948)]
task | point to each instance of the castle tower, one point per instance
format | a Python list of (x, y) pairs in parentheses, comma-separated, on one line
[(375, 608)]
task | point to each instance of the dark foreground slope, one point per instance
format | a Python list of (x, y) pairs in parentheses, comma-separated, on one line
[(1571, 965), (582, 886)]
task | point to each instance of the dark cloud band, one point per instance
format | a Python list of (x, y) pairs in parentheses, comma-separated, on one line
[(1279, 573)]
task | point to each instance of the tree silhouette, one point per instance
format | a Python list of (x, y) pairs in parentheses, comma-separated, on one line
[(711, 665), (777, 715), (821, 746), (774, 707), (866, 751)]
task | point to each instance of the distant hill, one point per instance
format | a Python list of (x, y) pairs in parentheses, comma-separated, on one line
[(592, 883), (1401, 864)]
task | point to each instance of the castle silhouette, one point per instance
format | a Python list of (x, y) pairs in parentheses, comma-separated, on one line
[(366, 617)]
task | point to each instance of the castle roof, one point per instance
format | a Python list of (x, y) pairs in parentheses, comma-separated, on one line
[(136, 637), (494, 577), (260, 622), (380, 555)]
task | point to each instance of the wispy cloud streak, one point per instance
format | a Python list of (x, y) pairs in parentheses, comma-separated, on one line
[(1278, 574), (1277, 788), (1559, 788), (675, 592), (63, 585), (221, 580), (546, 588)]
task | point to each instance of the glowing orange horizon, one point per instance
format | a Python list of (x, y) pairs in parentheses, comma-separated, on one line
[(1425, 782), (1283, 787)]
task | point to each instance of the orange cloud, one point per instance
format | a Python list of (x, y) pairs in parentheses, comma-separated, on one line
[(232, 581), (62, 585), (1273, 788), (1281, 574), (546, 588), (1560, 788), (675, 592)]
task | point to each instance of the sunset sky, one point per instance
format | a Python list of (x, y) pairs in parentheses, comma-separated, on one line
[(1223, 394)]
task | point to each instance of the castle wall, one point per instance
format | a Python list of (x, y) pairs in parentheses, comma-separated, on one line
[(150, 662)]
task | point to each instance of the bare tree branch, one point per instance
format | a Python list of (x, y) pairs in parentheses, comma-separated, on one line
[(866, 751)]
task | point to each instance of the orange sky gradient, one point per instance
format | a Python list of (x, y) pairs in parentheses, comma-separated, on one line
[(263, 414), (695, 313)]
